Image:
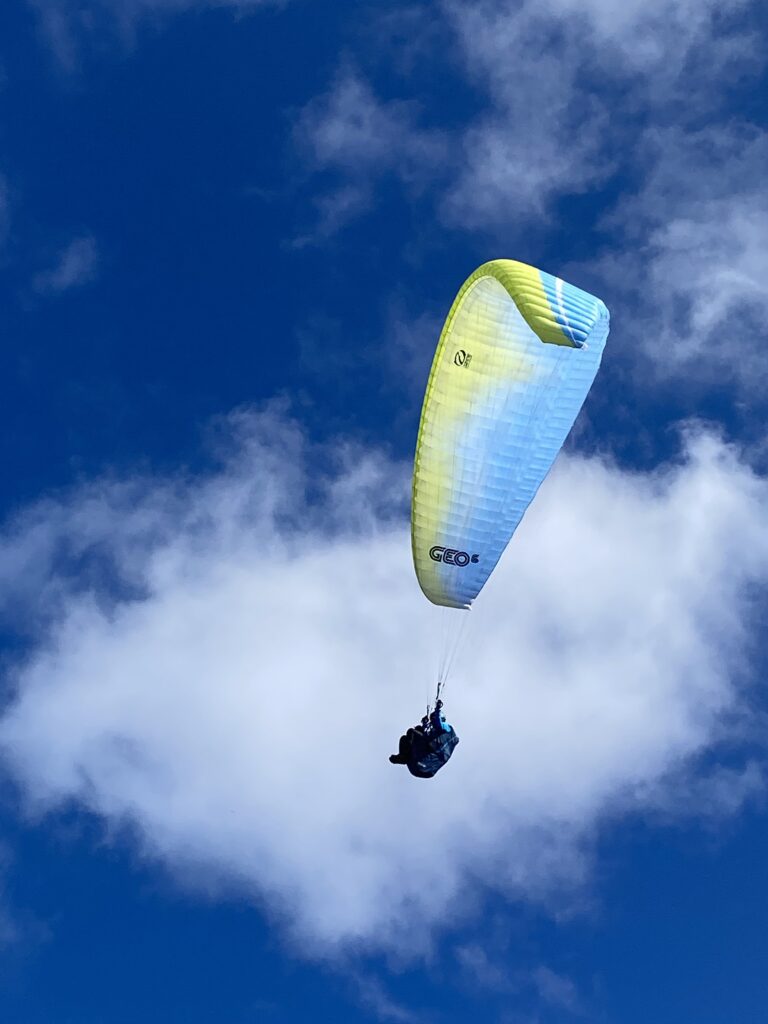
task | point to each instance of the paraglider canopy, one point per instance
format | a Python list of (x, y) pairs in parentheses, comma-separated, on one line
[(514, 363)]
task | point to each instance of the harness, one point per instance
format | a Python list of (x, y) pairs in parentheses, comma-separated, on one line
[(431, 749)]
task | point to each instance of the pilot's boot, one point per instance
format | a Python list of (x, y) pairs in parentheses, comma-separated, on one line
[(401, 757)]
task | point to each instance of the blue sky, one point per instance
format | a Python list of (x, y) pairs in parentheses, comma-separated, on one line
[(229, 233)]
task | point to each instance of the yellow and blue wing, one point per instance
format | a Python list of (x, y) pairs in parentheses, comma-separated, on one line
[(515, 360)]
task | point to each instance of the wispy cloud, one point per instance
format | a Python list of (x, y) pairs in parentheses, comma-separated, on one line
[(226, 663), (543, 132), (333, 211), (374, 998), (557, 990), (581, 94), (566, 83), (350, 127), (75, 266), (693, 259), (651, 35), (484, 973), (67, 27), (711, 795), (569, 90), (350, 131)]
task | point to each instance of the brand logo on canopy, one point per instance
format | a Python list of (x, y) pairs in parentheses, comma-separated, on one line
[(450, 556)]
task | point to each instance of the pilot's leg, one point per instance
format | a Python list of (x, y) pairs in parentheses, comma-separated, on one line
[(401, 757)]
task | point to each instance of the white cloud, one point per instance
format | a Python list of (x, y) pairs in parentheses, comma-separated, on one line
[(652, 34), (351, 131), (238, 705), (569, 89), (566, 81), (543, 134), (692, 256), (75, 266), (579, 90), (349, 126), (714, 259)]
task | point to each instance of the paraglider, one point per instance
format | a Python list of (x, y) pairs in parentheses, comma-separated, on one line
[(428, 746), (516, 358)]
